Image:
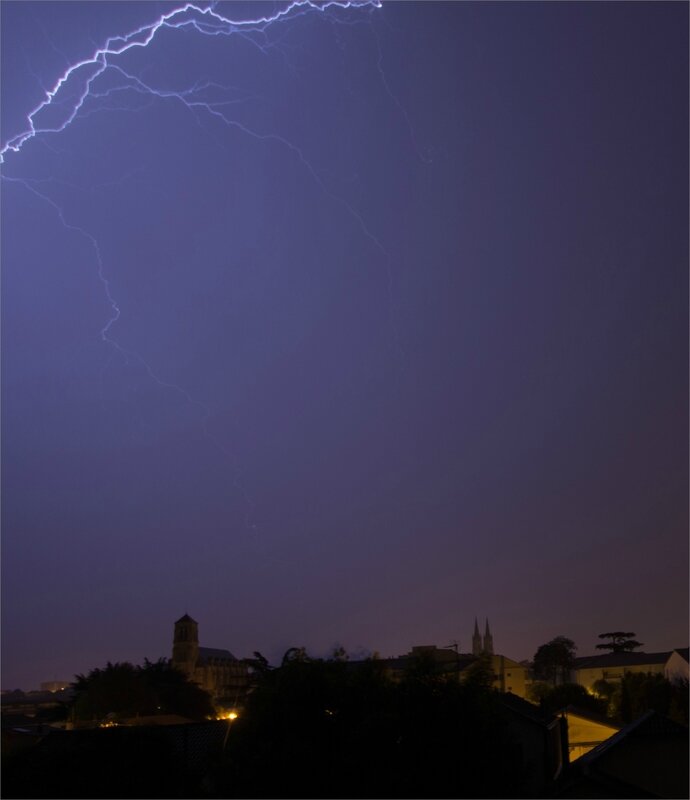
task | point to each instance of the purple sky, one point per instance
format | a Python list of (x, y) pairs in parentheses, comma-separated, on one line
[(402, 332)]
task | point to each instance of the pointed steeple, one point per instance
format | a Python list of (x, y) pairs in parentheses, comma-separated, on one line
[(488, 640), (476, 640)]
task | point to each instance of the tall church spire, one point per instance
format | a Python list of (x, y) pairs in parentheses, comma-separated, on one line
[(476, 640), (488, 640)]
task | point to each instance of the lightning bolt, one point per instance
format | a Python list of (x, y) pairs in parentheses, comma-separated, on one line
[(205, 20), (77, 91)]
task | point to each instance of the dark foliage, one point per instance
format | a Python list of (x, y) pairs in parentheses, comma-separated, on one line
[(571, 694), (640, 692), (480, 675), (317, 728), (114, 763), (620, 642), (554, 660), (123, 690)]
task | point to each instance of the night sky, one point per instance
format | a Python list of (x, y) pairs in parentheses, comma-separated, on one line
[(390, 330)]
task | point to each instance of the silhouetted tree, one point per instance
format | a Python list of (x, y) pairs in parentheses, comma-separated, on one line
[(621, 642), (639, 692), (538, 690), (421, 668), (480, 674), (123, 690), (606, 691), (679, 705), (571, 694), (298, 654), (173, 692), (554, 660), (339, 653), (259, 663), (334, 728)]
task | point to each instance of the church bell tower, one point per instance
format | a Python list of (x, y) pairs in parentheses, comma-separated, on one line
[(186, 645)]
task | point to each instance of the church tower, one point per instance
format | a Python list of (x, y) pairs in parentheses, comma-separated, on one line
[(185, 652), (488, 640), (476, 640)]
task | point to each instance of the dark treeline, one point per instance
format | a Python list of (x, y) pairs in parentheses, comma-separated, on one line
[(330, 729), (122, 690), (310, 728)]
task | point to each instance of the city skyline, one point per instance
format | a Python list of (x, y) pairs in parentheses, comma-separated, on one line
[(464, 646)]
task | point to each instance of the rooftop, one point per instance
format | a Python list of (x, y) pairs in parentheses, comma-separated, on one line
[(621, 660), (213, 652)]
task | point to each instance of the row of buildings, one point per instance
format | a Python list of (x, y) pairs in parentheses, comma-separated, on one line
[(582, 754), (226, 677), (567, 754)]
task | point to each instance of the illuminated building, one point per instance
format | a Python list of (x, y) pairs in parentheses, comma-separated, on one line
[(612, 667), (217, 671), (508, 675)]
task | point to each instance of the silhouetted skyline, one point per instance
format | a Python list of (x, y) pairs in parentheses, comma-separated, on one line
[(400, 341)]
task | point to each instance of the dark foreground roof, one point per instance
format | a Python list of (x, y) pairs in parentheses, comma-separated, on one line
[(525, 709), (141, 761), (647, 758)]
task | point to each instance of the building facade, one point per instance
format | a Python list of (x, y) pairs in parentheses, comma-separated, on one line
[(611, 667), (218, 672), (676, 668), (508, 675)]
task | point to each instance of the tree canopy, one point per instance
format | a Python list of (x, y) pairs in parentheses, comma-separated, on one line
[(554, 660), (124, 690), (335, 728), (638, 692), (620, 642)]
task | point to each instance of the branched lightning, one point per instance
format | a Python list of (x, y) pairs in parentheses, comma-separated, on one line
[(205, 20), (81, 82), (129, 355)]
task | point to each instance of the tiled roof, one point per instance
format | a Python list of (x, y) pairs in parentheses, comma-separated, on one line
[(212, 652), (684, 652), (621, 660)]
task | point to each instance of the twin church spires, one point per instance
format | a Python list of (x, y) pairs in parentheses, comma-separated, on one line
[(479, 647)]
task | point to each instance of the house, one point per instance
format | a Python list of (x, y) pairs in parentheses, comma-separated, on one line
[(647, 758), (508, 675), (676, 668), (612, 667)]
